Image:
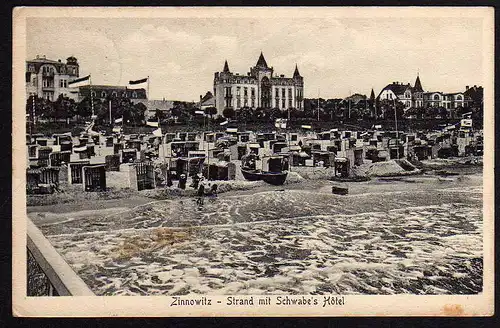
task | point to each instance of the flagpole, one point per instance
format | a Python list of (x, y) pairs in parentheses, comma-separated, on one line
[(110, 122), (91, 96), (147, 92), (397, 134)]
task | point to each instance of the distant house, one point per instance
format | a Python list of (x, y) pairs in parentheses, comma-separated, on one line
[(405, 93), (153, 105), (111, 91), (208, 100), (474, 96)]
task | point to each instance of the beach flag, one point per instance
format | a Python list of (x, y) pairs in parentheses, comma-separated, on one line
[(199, 112), (232, 130), (138, 81), (153, 124), (466, 123), (157, 132), (79, 82), (224, 123), (119, 120), (306, 126)]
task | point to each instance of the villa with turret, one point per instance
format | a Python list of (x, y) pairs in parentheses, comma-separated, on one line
[(258, 88)]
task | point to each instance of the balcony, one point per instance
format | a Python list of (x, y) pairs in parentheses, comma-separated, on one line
[(47, 272), (48, 88)]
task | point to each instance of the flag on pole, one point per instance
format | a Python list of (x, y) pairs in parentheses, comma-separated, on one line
[(79, 82), (119, 120), (157, 132), (466, 123), (306, 126), (153, 124), (138, 81), (224, 123)]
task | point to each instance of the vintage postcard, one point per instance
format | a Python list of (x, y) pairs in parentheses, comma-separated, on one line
[(253, 161)]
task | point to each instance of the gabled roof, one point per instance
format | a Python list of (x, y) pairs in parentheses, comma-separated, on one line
[(397, 88), (262, 61)]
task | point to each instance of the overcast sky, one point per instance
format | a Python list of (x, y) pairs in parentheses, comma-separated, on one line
[(335, 56)]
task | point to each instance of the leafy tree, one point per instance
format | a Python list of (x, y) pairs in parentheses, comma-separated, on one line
[(211, 111), (228, 112)]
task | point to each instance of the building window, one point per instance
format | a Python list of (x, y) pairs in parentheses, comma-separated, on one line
[(283, 93), (277, 103), (289, 102), (290, 93), (245, 102), (227, 92), (92, 94), (253, 102), (408, 95), (114, 94), (277, 93), (283, 102), (253, 92), (103, 94), (238, 103), (31, 68), (134, 94), (63, 83), (436, 97), (459, 97), (238, 91), (245, 91)]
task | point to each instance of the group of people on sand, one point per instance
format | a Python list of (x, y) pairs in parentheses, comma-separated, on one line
[(199, 183)]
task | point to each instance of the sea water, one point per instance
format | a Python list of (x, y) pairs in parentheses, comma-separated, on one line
[(283, 242)]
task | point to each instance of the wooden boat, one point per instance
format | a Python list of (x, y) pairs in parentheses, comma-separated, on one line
[(274, 178), (340, 190)]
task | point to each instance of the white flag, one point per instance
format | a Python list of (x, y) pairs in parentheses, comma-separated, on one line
[(466, 123), (153, 124), (119, 120), (157, 132), (224, 123)]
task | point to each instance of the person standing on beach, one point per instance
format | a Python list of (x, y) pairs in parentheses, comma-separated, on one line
[(201, 192), (182, 181)]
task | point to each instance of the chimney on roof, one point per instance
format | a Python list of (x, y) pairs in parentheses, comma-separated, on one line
[(59, 60), (466, 87), (475, 86)]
